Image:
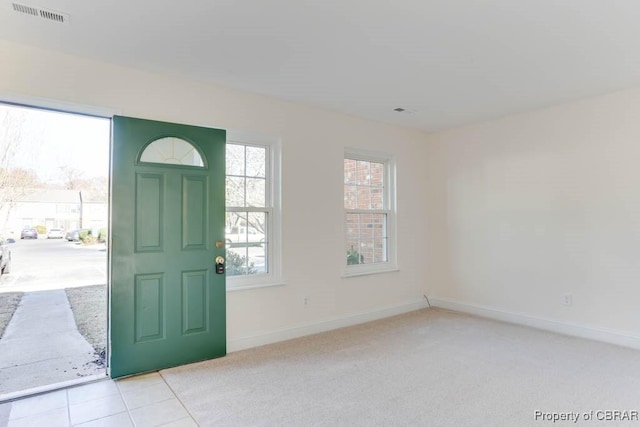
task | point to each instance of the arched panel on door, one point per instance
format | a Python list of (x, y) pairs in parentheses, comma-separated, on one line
[(171, 150)]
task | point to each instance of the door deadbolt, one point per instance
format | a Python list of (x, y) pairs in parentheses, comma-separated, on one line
[(219, 265)]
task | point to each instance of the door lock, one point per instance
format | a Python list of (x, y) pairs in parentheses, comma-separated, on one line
[(219, 265)]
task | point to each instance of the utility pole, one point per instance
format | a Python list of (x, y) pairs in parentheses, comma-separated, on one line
[(81, 209)]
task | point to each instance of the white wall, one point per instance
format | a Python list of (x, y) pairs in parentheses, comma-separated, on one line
[(527, 208), (313, 142)]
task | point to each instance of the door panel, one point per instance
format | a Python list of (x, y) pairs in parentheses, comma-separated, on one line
[(195, 307), (149, 209), (149, 307), (167, 302), (194, 212)]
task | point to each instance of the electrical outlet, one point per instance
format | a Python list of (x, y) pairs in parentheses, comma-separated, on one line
[(567, 299)]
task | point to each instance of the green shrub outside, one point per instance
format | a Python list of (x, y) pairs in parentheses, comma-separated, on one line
[(41, 229), (86, 237), (354, 257), (237, 265)]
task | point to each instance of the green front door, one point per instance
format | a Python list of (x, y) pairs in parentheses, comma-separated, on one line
[(167, 228)]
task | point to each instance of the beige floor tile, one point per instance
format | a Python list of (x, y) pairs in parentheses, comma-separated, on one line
[(159, 413), (184, 422), (147, 396), (96, 408), (92, 391), (148, 399), (38, 404), (139, 381), (118, 420), (53, 418)]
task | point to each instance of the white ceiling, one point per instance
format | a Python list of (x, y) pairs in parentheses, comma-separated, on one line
[(449, 62)]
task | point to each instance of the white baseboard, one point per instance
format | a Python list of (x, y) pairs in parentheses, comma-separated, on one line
[(604, 335), (322, 326)]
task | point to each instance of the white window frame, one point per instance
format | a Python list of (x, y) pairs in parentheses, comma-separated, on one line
[(390, 210), (273, 209)]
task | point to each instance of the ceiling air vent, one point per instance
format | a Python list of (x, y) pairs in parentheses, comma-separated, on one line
[(25, 9), (49, 15)]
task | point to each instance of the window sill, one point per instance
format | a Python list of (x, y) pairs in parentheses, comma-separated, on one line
[(255, 285), (368, 270)]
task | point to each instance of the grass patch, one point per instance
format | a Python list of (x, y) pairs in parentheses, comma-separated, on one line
[(89, 306), (9, 302)]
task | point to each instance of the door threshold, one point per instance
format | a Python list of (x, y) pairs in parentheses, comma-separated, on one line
[(8, 397)]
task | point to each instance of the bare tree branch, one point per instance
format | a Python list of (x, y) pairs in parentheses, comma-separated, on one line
[(14, 181)]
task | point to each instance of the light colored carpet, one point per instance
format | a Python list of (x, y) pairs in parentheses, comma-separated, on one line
[(430, 368)]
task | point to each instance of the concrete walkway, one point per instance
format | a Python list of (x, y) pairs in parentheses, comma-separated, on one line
[(42, 346)]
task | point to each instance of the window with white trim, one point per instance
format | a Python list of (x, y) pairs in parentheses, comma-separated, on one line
[(252, 219), (369, 204)]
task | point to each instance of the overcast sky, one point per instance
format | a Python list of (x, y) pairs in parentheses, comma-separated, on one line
[(50, 141)]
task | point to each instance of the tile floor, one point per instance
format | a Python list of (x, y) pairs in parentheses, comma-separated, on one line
[(144, 400)]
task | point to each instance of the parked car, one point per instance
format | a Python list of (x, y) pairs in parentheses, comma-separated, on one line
[(241, 237), (29, 233), (55, 233), (5, 255), (74, 235)]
